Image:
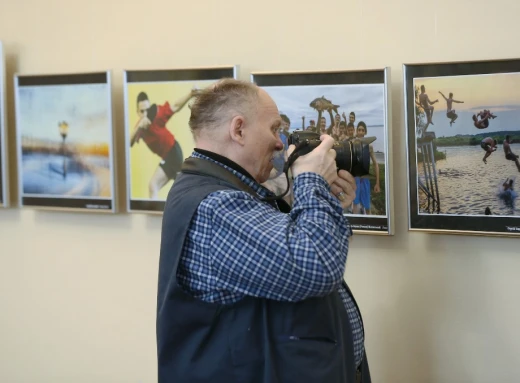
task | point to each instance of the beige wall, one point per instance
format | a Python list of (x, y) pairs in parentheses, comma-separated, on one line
[(77, 291)]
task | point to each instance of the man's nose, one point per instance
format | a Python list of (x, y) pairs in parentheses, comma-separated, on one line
[(279, 144)]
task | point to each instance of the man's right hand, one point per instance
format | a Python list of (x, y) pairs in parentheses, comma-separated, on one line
[(144, 123), (322, 160)]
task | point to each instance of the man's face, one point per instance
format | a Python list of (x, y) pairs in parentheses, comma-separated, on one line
[(285, 125), (323, 124), (142, 108), (351, 118), (350, 131), (361, 131), (337, 118), (263, 141)]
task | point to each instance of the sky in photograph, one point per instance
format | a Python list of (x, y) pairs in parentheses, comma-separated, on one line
[(85, 107), (365, 100), (499, 93)]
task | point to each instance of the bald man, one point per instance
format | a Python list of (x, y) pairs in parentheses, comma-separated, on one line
[(250, 288)]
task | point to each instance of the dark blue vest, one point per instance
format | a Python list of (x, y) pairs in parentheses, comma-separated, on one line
[(254, 340)]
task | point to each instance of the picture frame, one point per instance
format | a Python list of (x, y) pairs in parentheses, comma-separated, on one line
[(463, 143), (65, 142), (4, 186), (156, 150), (329, 97)]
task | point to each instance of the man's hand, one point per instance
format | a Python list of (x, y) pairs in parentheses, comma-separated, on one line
[(322, 160), (144, 123), (344, 188)]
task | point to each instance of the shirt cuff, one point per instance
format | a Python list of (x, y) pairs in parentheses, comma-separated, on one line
[(310, 179)]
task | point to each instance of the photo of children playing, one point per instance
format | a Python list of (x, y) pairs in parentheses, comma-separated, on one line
[(344, 112), (468, 143)]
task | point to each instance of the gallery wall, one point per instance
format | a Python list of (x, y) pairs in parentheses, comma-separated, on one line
[(78, 289)]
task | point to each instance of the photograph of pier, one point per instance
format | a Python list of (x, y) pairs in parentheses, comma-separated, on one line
[(65, 140)]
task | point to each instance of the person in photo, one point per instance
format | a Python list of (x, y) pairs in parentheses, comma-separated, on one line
[(509, 153), (427, 105), (489, 145), (481, 119), (450, 112), (363, 187), (151, 128)]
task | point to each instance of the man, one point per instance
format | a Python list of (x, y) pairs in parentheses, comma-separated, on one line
[(323, 125), (277, 181), (250, 289), (450, 113), (351, 130), (363, 188), (483, 121), (427, 105), (509, 153), (351, 117), (343, 131), (151, 128), (312, 125), (489, 145)]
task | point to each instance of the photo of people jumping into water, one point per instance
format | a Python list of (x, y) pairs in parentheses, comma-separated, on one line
[(467, 149)]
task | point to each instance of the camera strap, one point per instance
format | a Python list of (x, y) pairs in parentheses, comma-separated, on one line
[(202, 167), (294, 155)]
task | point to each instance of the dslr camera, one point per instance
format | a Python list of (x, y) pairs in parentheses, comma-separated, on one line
[(352, 155)]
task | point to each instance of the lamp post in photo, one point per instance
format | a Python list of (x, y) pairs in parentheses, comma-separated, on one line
[(64, 129)]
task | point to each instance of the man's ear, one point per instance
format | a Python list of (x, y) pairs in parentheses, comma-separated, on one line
[(236, 130)]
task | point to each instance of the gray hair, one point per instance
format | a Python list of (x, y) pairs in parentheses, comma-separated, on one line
[(220, 102)]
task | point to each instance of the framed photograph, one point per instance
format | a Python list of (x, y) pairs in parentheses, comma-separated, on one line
[(353, 107), (4, 191), (158, 137), (463, 136), (65, 141)]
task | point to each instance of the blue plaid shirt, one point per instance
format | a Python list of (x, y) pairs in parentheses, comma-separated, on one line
[(236, 246)]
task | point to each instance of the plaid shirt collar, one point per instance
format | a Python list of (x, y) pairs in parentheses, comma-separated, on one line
[(234, 168)]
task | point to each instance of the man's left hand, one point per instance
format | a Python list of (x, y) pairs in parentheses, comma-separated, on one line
[(344, 188)]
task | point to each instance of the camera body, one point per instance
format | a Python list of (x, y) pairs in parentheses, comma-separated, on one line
[(352, 155)]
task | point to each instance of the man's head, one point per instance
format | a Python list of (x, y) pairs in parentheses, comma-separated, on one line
[(507, 138), (337, 118), (143, 104), (423, 89), (361, 130), (286, 122), (350, 129), (352, 117), (240, 121), (451, 95), (342, 128), (323, 124)]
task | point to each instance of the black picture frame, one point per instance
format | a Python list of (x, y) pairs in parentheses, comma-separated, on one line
[(291, 84), (451, 189)]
